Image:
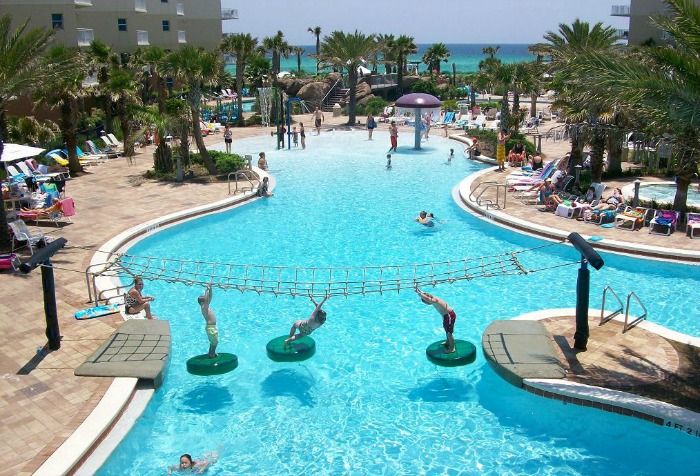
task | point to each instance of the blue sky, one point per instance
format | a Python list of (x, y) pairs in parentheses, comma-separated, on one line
[(428, 21)]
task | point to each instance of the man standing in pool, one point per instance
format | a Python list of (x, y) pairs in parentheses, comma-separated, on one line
[(209, 317), (318, 119), (307, 326), (448, 317)]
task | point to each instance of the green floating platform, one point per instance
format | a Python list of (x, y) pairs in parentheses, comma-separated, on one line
[(297, 350), (203, 365), (465, 353)]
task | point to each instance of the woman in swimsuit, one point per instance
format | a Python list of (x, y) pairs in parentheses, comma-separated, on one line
[(135, 302), (307, 326)]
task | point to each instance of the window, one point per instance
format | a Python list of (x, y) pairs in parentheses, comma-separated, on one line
[(121, 24), (140, 6), (57, 21), (163, 1), (166, 25), (180, 8), (85, 36), (142, 38), (181, 37)]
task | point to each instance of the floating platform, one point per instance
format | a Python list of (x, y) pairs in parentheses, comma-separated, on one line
[(205, 365), (139, 348), (521, 349), (300, 349), (465, 353)]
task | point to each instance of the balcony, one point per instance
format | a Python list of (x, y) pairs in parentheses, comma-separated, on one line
[(620, 11), (85, 36), (180, 8), (181, 36), (142, 38), (229, 14), (140, 6), (82, 3), (622, 34)]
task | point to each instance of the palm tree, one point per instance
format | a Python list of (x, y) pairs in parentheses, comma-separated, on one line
[(299, 51), (348, 50), (257, 70), (101, 60), (657, 87), (153, 57), (28, 130), (490, 51), (122, 91), (316, 31), (402, 47), (66, 93), (385, 46), (279, 47), (434, 55), (196, 69), (22, 68), (242, 46), (576, 38)]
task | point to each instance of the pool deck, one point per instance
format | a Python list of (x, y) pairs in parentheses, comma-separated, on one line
[(42, 401)]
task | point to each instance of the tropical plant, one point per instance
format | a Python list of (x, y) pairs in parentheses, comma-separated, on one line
[(402, 47), (195, 68), (29, 130), (490, 51), (435, 55), (123, 92), (242, 47), (152, 57), (348, 50), (101, 60), (316, 31), (385, 46), (279, 47), (658, 87)]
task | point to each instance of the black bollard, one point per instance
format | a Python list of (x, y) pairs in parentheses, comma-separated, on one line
[(583, 284)]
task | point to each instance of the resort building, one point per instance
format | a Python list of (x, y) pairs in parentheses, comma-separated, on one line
[(641, 27), (126, 24)]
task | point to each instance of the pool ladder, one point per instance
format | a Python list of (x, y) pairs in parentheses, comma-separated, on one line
[(627, 325), (483, 187)]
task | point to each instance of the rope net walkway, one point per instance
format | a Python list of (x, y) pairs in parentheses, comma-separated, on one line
[(316, 281)]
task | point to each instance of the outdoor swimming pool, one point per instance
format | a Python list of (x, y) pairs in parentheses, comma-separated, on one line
[(665, 193), (369, 402)]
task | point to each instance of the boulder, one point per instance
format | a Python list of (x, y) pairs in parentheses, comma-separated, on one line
[(363, 90), (332, 78), (365, 99), (314, 92), (291, 86)]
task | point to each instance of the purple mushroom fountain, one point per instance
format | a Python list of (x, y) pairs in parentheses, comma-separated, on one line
[(417, 102)]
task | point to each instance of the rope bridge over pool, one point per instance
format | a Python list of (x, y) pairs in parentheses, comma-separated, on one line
[(318, 281)]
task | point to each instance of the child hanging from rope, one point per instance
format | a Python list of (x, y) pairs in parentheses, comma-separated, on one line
[(307, 326)]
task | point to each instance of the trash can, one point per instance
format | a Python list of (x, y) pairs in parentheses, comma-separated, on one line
[(337, 110)]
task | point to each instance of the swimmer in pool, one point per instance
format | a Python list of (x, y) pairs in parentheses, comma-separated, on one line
[(425, 219), (189, 465)]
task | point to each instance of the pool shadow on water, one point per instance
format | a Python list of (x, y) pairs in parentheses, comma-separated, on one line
[(289, 383), (207, 398), (443, 390)]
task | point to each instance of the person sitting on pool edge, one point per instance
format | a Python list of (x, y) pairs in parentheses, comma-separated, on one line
[(448, 317), (135, 302), (307, 326)]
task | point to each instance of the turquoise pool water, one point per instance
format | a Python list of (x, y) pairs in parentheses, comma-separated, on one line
[(665, 193), (369, 402)]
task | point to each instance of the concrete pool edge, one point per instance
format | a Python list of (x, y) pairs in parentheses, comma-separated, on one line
[(461, 196), (95, 430), (613, 401)]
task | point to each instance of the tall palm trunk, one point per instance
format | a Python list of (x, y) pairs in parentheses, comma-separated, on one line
[(105, 100), (197, 131), (275, 62), (577, 143), (505, 112), (399, 74), (318, 51), (680, 201), (352, 79), (597, 150), (516, 101), (5, 239), (240, 65), (70, 136), (125, 126), (614, 147), (160, 88), (533, 105)]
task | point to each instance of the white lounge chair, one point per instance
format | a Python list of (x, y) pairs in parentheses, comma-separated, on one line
[(693, 225), (20, 232)]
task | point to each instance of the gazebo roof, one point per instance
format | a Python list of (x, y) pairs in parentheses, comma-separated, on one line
[(418, 100)]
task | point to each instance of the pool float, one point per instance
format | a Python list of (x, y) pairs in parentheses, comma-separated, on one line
[(595, 238), (465, 353), (299, 349), (204, 365), (97, 311)]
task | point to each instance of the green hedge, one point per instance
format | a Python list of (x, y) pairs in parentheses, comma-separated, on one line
[(226, 163)]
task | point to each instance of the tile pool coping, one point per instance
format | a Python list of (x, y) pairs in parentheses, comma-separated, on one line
[(114, 412), (461, 193), (616, 401)]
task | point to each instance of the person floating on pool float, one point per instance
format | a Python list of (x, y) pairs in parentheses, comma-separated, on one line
[(448, 317), (212, 332), (307, 326), (425, 218), (189, 465)]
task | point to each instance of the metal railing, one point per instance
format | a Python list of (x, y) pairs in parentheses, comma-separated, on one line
[(603, 317), (485, 186), (229, 14), (236, 175), (383, 80), (630, 325), (330, 91), (620, 11), (93, 295)]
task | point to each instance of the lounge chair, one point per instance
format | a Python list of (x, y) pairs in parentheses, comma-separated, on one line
[(9, 261), (447, 119), (114, 141), (111, 146), (102, 152), (601, 217), (20, 232), (14, 174), (630, 219), (693, 224), (60, 209), (515, 180), (86, 159), (664, 223)]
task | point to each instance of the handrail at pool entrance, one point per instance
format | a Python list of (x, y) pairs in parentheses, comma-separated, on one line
[(603, 317), (236, 175), (488, 185), (630, 325)]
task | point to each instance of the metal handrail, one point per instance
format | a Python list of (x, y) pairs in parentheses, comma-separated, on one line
[(489, 185), (236, 174), (330, 91), (627, 312), (603, 317), (471, 193)]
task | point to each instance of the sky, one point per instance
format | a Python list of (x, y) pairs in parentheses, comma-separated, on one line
[(427, 21)]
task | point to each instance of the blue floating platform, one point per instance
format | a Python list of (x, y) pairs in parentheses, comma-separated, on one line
[(300, 349), (465, 353), (205, 365)]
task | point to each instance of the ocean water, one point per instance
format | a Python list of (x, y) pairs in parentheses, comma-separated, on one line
[(466, 57), (369, 402)]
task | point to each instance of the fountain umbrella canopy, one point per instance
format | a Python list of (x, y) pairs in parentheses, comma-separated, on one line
[(418, 104)]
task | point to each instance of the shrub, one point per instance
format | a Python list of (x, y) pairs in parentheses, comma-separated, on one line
[(255, 119), (163, 159), (427, 87), (450, 105), (374, 105), (226, 163), (529, 146)]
